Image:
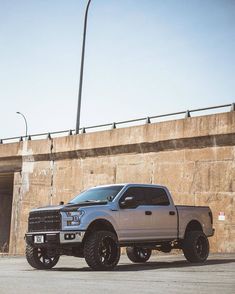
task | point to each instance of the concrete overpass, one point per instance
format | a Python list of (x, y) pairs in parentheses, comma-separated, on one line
[(194, 157)]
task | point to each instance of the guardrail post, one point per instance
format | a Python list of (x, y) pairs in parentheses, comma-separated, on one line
[(187, 114), (49, 136), (29, 138), (21, 139), (233, 107), (114, 126), (1, 141), (83, 131), (70, 132), (148, 121)]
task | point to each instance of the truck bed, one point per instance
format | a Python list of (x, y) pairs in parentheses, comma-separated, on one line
[(189, 213)]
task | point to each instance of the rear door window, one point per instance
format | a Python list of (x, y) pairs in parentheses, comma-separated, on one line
[(156, 196)]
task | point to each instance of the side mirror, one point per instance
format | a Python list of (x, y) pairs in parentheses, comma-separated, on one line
[(128, 202), (110, 198)]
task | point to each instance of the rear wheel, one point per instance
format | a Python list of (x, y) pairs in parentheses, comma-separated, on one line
[(196, 246), (101, 250), (138, 254), (39, 257)]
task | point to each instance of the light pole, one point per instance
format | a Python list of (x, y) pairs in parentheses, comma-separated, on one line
[(81, 69), (26, 125)]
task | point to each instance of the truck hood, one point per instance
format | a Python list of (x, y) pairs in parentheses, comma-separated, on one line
[(69, 206)]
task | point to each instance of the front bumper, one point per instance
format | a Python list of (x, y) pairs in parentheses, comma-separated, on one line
[(55, 238)]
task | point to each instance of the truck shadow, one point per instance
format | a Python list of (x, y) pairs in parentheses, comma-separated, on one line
[(151, 266)]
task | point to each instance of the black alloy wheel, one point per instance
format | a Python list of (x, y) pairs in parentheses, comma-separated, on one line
[(138, 254), (196, 246), (107, 251), (39, 258), (101, 250), (201, 247)]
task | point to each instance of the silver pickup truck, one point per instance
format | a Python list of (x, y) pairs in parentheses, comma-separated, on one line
[(100, 220)]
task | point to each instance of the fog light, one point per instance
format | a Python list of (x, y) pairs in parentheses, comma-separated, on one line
[(69, 236)]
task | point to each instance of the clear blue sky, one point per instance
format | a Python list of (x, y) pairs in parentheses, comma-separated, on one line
[(144, 57)]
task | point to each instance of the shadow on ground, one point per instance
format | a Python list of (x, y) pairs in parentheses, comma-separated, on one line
[(150, 266)]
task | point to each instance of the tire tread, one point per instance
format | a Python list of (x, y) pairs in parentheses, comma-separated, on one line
[(35, 263), (90, 250)]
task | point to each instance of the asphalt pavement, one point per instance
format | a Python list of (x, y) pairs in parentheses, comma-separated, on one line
[(162, 274)]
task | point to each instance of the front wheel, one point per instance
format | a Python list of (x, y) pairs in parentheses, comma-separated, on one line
[(101, 250), (138, 254), (196, 246), (39, 258)]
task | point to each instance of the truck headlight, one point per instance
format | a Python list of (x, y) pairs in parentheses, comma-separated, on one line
[(74, 217)]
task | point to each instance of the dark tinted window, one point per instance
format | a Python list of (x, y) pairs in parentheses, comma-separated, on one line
[(148, 195), (137, 193), (156, 196)]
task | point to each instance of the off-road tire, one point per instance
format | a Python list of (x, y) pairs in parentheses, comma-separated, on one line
[(138, 254), (101, 250), (196, 246), (38, 258)]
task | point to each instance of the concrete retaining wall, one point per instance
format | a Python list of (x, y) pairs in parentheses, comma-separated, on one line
[(193, 157)]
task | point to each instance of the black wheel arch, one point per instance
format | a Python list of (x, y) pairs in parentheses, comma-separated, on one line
[(193, 225), (99, 225)]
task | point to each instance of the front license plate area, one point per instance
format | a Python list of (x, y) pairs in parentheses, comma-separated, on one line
[(39, 239)]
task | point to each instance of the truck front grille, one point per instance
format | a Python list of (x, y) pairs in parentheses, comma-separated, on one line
[(40, 221)]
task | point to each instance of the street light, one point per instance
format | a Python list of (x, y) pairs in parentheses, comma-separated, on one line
[(26, 125), (81, 69)]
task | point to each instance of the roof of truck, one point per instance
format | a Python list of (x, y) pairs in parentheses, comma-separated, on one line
[(129, 184)]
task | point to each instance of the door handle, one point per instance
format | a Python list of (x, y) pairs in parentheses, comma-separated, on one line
[(148, 212), (171, 213)]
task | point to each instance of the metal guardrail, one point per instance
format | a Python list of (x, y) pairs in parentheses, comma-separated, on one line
[(114, 125)]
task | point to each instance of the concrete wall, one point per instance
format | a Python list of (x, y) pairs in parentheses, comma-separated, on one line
[(194, 157)]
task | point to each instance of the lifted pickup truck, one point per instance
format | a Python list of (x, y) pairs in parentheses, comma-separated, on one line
[(100, 220)]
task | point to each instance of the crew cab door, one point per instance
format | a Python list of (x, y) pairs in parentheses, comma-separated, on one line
[(134, 222), (164, 221), (148, 216)]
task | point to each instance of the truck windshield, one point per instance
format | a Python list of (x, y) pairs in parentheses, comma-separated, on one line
[(97, 194)]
